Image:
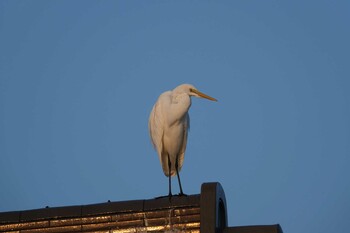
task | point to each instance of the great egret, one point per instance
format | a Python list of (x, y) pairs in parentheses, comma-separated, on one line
[(168, 125)]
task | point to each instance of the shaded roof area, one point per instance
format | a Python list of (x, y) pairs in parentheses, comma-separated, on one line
[(205, 212)]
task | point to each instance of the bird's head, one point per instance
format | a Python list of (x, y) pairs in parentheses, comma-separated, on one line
[(192, 91)]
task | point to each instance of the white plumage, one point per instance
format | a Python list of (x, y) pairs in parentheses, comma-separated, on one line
[(168, 125)]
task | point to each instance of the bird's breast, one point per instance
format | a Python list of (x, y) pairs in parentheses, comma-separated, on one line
[(177, 111)]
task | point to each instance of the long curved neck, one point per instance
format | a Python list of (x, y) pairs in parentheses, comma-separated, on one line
[(179, 107)]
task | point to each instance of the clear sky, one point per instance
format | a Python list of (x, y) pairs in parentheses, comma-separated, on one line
[(78, 80)]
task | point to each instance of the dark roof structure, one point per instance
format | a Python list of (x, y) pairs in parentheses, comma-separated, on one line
[(205, 212)]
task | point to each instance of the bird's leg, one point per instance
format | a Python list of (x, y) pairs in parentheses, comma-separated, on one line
[(178, 178), (169, 166)]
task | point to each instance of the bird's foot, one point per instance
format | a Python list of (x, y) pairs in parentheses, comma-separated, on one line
[(166, 196), (181, 194)]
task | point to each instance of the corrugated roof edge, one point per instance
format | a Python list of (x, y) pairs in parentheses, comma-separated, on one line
[(99, 209)]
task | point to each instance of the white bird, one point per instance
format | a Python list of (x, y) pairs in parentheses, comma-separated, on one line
[(168, 125)]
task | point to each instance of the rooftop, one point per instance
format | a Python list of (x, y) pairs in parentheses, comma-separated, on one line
[(204, 212)]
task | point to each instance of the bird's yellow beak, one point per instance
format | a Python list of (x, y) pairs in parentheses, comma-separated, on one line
[(203, 95)]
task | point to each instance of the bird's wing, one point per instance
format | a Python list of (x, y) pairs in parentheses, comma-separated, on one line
[(155, 128), (156, 124), (184, 143)]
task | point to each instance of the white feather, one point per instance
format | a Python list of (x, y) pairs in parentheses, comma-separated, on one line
[(169, 123)]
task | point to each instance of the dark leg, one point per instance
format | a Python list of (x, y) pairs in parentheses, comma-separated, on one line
[(178, 178), (169, 166)]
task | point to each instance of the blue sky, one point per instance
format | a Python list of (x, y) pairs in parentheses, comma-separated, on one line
[(78, 80)]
